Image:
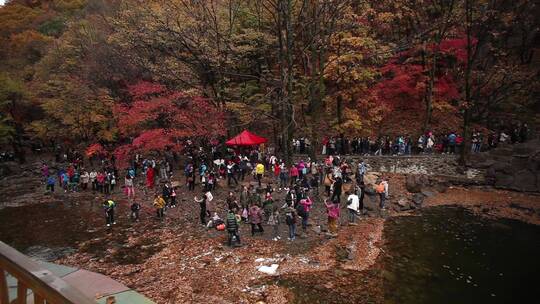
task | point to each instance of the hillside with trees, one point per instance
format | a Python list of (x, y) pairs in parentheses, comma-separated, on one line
[(121, 72)]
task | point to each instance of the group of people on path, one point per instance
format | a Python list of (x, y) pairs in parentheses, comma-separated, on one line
[(276, 194)]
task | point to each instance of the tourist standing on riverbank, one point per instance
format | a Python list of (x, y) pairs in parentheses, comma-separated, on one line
[(232, 227), (135, 208), (303, 209), (159, 204), (290, 220), (109, 206), (353, 204), (333, 211), (255, 215)]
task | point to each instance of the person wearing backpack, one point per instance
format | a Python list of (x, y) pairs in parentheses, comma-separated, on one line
[(290, 220), (336, 194), (232, 227), (382, 190)]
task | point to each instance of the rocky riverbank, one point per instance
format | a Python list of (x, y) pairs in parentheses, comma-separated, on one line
[(179, 261)]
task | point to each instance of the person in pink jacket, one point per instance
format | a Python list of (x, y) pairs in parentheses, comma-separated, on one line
[(303, 208), (333, 211), (255, 216)]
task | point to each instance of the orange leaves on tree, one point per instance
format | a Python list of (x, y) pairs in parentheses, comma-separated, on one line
[(95, 149)]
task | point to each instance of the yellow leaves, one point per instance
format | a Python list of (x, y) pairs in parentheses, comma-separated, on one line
[(15, 18), (79, 110), (68, 5)]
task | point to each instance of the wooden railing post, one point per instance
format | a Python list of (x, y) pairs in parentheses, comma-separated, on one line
[(4, 291), (21, 292)]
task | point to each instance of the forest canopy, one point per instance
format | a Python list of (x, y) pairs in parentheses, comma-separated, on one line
[(145, 75)]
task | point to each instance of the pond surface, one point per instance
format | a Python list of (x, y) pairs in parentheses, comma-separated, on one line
[(439, 255), (448, 255)]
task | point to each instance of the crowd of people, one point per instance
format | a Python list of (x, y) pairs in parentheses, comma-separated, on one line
[(264, 191), (427, 143)]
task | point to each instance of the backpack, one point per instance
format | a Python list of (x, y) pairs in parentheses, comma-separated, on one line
[(380, 188), (301, 210)]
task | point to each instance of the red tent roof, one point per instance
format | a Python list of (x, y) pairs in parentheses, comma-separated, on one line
[(246, 138)]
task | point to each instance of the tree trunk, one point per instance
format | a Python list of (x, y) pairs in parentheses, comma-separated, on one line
[(429, 93), (464, 153)]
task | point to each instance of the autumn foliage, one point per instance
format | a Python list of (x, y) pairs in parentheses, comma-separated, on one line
[(158, 119)]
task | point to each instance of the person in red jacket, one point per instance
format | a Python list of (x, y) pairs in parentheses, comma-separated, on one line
[(293, 173), (150, 178)]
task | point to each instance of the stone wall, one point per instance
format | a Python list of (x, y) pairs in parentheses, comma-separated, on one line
[(418, 164)]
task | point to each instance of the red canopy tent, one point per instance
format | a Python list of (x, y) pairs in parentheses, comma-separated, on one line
[(246, 138)]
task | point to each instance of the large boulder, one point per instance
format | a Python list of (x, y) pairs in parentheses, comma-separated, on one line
[(415, 183), (370, 178), (503, 180), (8, 168), (524, 180), (520, 162)]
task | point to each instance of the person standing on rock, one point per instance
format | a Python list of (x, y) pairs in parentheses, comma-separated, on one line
[(361, 171), (45, 172), (353, 204), (382, 190), (360, 188), (51, 181)]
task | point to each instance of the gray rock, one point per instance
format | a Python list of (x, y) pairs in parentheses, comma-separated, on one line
[(503, 180), (415, 183), (525, 180), (418, 199), (520, 162), (428, 193)]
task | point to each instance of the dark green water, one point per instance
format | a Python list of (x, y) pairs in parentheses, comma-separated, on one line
[(448, 255)]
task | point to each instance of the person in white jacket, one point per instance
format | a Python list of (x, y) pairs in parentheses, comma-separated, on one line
[(353, 203)]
